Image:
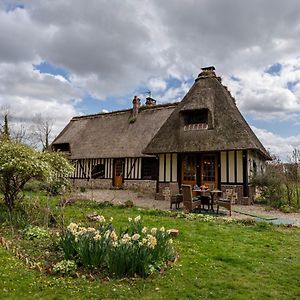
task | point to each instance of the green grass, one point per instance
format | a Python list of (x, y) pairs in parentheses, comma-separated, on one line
[(216, 261)]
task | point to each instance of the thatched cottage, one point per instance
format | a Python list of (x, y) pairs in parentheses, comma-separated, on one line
[(203, 139)]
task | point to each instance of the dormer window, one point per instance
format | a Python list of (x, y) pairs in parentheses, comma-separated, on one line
[(63, 147), (196, 119)]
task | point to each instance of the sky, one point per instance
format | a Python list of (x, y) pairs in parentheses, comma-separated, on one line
[(62, 58)]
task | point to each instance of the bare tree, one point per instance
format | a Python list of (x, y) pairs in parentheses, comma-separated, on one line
[(41, 130)]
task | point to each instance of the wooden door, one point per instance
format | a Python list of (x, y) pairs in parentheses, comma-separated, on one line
[(118, 172), (189, 169), (209, 176)]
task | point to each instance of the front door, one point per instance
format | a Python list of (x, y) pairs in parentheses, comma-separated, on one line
[(200, 169), (209, 171), (189, 169), (118, 172)]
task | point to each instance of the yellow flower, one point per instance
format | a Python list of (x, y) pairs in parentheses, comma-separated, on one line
[(126, 238), (114, 236), (137, 219), (100, 219), (152, 242), (72, 227), (153, 230), (135, 237), (97, 237), (144, 230)]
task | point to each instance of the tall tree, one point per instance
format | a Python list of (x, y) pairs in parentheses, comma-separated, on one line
[(41, 130)]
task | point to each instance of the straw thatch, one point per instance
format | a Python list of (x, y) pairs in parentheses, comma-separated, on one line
[(227, 129), (113, 135)]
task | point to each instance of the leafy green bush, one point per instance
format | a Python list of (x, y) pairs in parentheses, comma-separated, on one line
[(58, 187), (135, 251), (35, 232), (35, 186), (65, 267), (128, 203), (271, 188), (82, 189)]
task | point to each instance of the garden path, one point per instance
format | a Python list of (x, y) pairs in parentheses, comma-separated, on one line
[(148, 201)]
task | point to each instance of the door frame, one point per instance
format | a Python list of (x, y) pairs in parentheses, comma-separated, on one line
[(114, 179), (199, 168)]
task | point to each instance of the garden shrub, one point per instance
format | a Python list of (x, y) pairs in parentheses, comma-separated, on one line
[(35, 232), (82, 189), (58, 187), (35, 186), (137, 250), (65, 267), (271, 188), (128, 203)]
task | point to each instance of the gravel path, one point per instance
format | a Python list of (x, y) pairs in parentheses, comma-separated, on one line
[(148, 201)]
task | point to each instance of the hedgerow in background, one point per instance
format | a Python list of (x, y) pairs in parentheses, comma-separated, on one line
[(136, 250)]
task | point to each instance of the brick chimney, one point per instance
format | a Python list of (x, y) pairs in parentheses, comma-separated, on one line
[(150, 101), (136, 102)]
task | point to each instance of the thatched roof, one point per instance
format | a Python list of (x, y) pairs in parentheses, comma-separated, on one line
[(113, 134), (228, 131)]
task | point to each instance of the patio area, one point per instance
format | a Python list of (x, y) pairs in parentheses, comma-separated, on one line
[(256, 212)]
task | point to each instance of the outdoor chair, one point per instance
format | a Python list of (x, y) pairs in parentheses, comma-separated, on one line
[(229, 198), (189, 202), (175, 197)]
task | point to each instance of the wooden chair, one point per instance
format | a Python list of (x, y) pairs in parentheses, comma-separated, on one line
[(175, 197), (227, 201), (188, 202)]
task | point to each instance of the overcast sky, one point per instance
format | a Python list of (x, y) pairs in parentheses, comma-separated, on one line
[(63, 58)]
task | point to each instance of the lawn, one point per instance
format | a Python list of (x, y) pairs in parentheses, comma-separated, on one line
[(217, 260)]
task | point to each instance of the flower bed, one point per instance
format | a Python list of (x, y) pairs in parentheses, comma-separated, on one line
[(136, 250)]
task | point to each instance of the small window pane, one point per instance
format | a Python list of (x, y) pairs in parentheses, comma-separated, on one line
[(98, 171)]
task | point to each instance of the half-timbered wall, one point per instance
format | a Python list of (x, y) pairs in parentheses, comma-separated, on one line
[(133, 168), (231, 167), (168, 167), (83, 168)]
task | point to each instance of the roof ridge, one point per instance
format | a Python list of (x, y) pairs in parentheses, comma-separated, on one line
[(117, 112)]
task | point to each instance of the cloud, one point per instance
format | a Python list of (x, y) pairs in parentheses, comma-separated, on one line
[(27, 92), (157, 84), (278, 145), (269, 96), (110, 48)]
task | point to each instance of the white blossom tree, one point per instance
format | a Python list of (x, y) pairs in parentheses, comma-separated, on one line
[(19, 163)]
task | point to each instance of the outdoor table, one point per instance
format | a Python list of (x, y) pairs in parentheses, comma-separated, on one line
[(213, 194), (204, 192)]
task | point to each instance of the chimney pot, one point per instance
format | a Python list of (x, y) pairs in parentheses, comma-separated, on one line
[(207, 72), (150, 101), (135, 107)]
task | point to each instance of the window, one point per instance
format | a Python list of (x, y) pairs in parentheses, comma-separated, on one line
[(98, 171), (149, 168), (189, 168), (196, 117), (209, 168), (64, 147)]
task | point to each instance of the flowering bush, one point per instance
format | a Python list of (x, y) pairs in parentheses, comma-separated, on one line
[(132, 252), (65, 267), (34, 232)]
